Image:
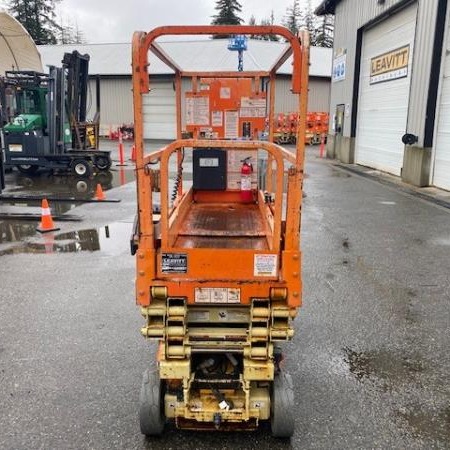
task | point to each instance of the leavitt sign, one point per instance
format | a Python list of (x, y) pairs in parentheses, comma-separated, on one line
[(390, 66)]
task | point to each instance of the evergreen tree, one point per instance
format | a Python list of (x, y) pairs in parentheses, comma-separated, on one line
[(321, 29), (252, 23), (292, 18), (78, 35), (266, 23), (69, 33), (308, 20), (65, 32), (324, 32), (269, 22), (38, 18), (227, 11)]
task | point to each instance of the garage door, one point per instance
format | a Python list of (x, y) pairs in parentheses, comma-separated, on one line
[(159, 111), (441, 175), (387, 53)]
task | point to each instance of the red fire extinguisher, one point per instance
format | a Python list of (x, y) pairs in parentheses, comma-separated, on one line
[(246, 181)]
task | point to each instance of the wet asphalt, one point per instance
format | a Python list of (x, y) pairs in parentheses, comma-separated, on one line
[(370, 358)]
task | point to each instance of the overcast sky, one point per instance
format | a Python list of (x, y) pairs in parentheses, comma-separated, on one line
[(116, 20)]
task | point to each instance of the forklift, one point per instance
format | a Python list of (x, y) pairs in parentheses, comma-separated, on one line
[(218, 260), (44, 120)]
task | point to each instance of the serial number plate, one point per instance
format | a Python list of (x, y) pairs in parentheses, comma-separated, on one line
[(217, 295)]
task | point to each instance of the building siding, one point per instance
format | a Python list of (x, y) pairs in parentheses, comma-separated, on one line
[(318, 95), (116, 102), (352, 15), (116, 99)]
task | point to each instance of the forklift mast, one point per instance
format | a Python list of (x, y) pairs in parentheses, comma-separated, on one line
[(67, 104), (77, 69)]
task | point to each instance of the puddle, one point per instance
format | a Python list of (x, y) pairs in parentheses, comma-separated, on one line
[(427, 424), (383, 365), (121, 175), (112, 239), (339, 174), (16, 232), (441, 242)]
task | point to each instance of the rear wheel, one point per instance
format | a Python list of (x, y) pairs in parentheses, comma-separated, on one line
[(151, 410), (282, 408), (27, 168), (81, 168), (103, 162), (315, 140)]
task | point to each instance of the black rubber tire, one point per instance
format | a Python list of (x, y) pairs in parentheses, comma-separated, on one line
[(282, 406), (151, 413), (315, 140), (103, 162), (82, 186), (27, 168), (81, 168)]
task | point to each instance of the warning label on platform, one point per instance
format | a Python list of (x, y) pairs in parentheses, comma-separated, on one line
[(265, 266), (174, 263), (217, 295)]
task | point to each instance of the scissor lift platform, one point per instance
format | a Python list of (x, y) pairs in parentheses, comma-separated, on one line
[(218, 270), (230, 225)]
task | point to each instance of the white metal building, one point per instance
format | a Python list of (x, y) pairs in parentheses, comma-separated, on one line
[(113, 63), (391, 77)]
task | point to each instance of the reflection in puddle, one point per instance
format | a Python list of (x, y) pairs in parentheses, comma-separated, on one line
[(16, 232), (47, 184), (112, 239), (59, 186), (433, 424), (121, 176), (381, 364)]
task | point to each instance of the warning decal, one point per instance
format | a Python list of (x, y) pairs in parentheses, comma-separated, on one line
[(265, 266), (217, 295), (174, 263)]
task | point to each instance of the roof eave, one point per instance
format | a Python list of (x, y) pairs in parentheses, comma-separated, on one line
[(326, 7)]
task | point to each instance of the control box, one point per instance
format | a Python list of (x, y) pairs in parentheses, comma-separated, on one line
[(209, 169)]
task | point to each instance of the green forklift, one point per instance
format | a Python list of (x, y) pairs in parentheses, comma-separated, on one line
[(44, 120)]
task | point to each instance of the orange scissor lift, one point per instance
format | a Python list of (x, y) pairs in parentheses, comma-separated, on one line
[(218, 273)]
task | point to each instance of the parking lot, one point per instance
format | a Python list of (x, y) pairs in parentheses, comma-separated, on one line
[(369, 359)]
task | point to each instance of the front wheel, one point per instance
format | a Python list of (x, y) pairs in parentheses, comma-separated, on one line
[(282, 406), (81, 168), (151, 399), (28, 168)]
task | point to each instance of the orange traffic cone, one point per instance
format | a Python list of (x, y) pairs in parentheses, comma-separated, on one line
[(46, 224), (133, 153), (99, 194)]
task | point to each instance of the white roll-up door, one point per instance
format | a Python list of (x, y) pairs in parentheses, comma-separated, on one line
[(386, 60), (159, 107), (441, 173)]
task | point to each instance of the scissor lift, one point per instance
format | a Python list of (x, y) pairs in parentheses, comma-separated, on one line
[(218, 275)]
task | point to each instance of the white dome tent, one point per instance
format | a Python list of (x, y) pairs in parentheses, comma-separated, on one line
[(17, 49)]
